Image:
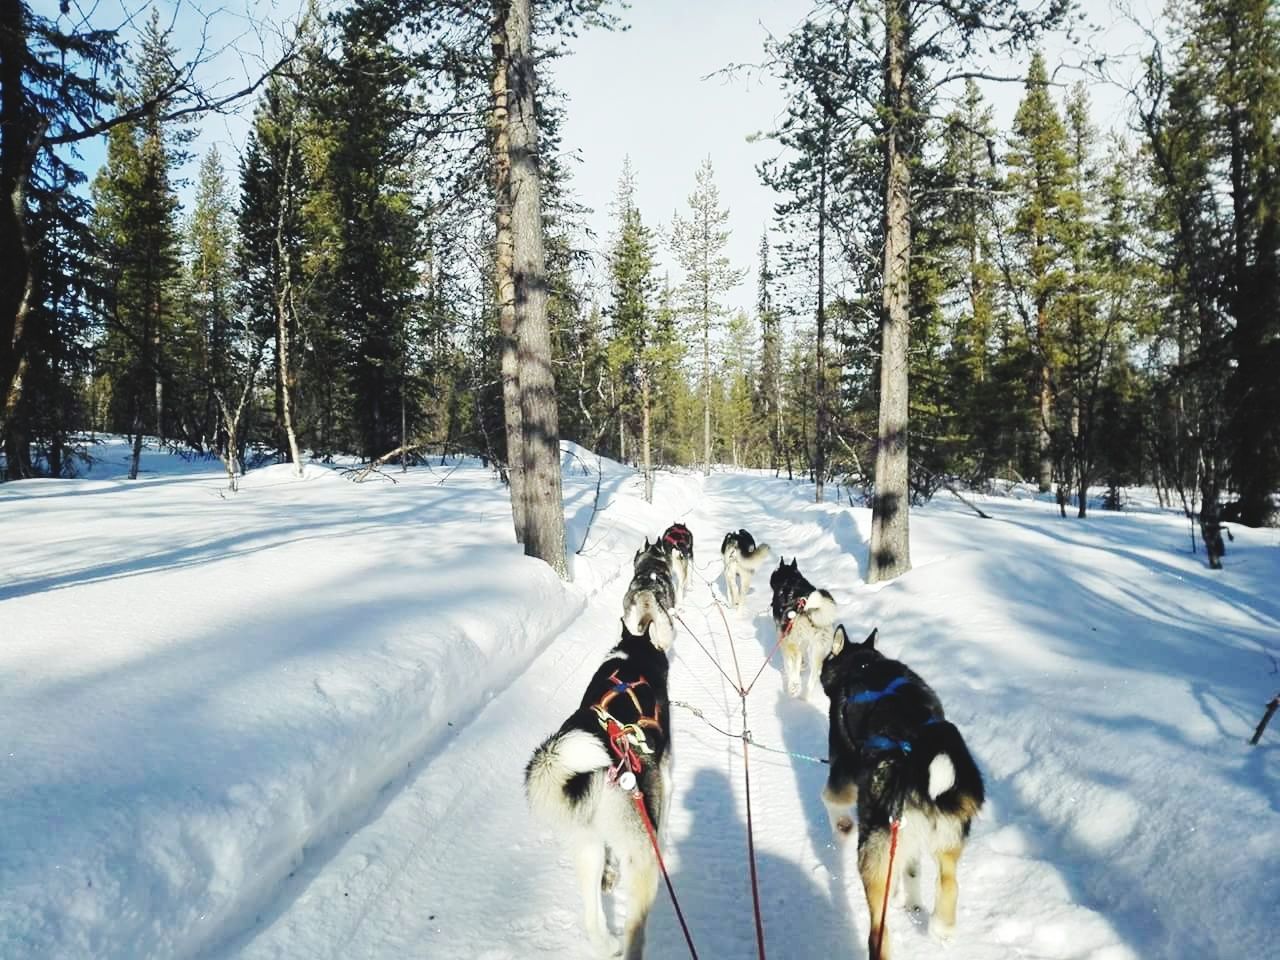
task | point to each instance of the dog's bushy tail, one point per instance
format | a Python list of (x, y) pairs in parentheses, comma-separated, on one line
[(560, 759), (645, 610), (756, 556), (945, 771), (820, 607)]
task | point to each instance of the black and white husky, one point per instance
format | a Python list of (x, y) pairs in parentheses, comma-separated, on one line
[(803, 616), (677, 540), (651, 595), (575, 781), (895, 755), (742, 557)]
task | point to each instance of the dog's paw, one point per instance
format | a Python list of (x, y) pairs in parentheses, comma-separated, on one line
[(607, 948), (940, 930), (793, 689)]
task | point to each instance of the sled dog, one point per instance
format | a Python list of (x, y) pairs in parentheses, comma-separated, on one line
[(677, 541), (803, 615), (651, 595), (577, 782), (895, 755), (742, 557)]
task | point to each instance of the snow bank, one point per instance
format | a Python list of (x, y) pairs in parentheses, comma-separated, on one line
[(196, 687)]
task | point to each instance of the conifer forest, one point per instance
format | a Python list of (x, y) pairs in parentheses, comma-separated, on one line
[(391, 265)]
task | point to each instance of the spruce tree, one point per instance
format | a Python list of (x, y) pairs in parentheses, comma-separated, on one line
[(136, 212), (1038, 180), (769, 396), (633, 343), (698, 242)]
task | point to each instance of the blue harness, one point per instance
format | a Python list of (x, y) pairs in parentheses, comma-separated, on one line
[(880, 743)]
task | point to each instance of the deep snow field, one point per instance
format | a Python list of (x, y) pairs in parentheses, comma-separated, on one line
[(291, 722)]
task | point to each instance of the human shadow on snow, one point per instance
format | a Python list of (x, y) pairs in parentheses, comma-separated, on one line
[(713, 882)]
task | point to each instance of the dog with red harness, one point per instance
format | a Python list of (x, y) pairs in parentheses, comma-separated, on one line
[(804, 616), (677, 541), (603, 782)]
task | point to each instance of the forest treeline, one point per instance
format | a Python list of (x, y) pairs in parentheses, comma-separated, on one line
[(1069, 305)]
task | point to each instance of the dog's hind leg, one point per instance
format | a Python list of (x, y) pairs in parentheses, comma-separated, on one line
[(873, 865), (589, 859), (792, 657), (944, 906), (642, 889), (839, 799)]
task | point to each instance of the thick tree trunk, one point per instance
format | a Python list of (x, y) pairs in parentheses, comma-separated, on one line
[(504, 271), (890, 544), (544, 505), (20, 137)]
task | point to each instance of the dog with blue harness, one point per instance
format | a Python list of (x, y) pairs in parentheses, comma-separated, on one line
[(894, 754)]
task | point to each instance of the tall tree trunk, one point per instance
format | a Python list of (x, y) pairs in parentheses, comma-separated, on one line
[(285, 310), (1044, 439), (645, 436), (706, 389), (890, 553), (136, 457), (820, 425), (544, 504), (504, 269), (20, 138)]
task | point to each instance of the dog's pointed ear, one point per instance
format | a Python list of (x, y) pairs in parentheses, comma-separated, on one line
[(795, 563), (838, 640), (646, 545), (870, 642)]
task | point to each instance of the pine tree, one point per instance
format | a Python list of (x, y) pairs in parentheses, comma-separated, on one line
[(632, 343), (698, 242), (1038, 179), (1209, 121), (136, 210), (227, 342), (769, 397), (814, 64), (364, 213), (967, 222), (274, 190)]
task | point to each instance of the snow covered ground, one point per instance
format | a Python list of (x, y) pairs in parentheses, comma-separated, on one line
[(292, 722)]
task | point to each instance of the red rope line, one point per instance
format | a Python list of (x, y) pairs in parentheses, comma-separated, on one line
[(888, 884), (653, 838), (751, 846)]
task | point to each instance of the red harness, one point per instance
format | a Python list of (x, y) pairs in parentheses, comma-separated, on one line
[(794, 615), (677, 538), (627, 738)]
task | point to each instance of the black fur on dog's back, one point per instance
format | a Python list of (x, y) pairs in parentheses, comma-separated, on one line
[(633, 659), (887, 726), (742, 540)]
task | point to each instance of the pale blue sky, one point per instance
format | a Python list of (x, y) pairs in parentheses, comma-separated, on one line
[(640, 92)]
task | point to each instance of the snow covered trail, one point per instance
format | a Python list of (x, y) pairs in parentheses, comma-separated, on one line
[(293, 723), (1078, 854)]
